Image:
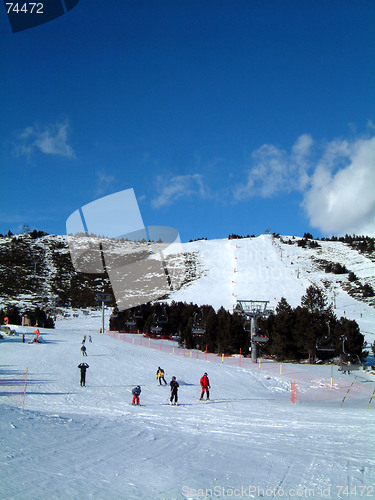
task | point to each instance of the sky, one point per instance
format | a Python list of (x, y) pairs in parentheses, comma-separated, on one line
[(224, 116)]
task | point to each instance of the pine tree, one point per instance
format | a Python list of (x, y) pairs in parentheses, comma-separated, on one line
[(283, 344), (314, 300)]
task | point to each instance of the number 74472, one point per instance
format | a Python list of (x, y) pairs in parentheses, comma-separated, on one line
[(39, 8)]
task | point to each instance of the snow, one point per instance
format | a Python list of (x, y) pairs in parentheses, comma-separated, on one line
[(72, 442)]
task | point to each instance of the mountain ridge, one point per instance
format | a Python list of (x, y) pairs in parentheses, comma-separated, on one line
[(39, 271)]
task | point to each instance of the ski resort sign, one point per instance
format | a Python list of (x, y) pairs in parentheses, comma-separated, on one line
[(108, 236)]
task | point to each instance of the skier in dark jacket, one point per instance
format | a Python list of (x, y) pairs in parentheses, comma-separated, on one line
[(174, 386), (205, 384), (83, 367), (83, 350), (136, 392)]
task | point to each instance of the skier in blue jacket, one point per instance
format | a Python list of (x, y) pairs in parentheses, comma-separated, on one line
[(136, 392)]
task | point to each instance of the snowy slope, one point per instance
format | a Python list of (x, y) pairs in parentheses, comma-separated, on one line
[(264, 268), (70, 442)]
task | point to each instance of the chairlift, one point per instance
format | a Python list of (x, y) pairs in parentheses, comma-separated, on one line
[(348, 366), (198, 331), (199, 327), (259, 339), (130, 323), (162, 318), (138, 313), (156, 330), (247, 326), (325, 344), (345, 365)]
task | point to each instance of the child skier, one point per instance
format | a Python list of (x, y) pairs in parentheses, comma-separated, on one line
[(174, 387), (136, 392), (205, 384)]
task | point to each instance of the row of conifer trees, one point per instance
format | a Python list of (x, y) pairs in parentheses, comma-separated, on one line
[(309, 331)]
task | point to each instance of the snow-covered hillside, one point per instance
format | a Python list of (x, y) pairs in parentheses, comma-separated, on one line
[(264, 268), (71, 442)]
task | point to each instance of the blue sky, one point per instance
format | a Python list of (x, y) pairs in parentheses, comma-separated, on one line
[(223, 116)]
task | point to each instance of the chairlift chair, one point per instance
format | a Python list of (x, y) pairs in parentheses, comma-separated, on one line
[(130, 323), (247, 326), (156, 330), (325, 344), (138, 313), (198, 331), (259, 339), (347, 366), (199, 327), (162, 318)]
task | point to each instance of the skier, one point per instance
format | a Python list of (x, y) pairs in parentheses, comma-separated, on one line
[(83, 349), (174, 387), (160, 375), (205, 384), (90, 340), (136, 392), (23, 338), (83, 367)]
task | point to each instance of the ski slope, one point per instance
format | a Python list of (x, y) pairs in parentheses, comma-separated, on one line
[(69, 442), (264, 268)]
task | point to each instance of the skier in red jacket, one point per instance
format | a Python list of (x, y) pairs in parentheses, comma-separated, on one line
[(205, 384)]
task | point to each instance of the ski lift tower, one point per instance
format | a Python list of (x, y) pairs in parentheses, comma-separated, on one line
[(102, 297), (252, 310)]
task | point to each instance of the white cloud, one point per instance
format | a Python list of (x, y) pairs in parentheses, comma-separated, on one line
[(274, 171), (343, 201), (53, 139), (180, 186), (338, 187)]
